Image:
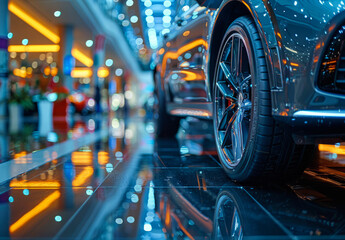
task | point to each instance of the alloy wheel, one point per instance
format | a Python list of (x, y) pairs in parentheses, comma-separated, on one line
[(228, 223), (233, 104)]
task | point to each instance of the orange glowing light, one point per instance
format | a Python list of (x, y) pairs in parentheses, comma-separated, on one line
[(19, 73), (54, 72), (294, 64), (81, 73), (82, 177), (103, 158), (46, 71), (177, 219), (329, 62), (190, 76), (161, 51), (82, 158), (318, 46), (183, 49), (13, 8), (35, 211), (34, 184), (103, 72), (33, 48), (81, 57), (186, 33), (332, 149)]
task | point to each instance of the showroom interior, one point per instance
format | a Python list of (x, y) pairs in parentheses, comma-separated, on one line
[(79, 153)]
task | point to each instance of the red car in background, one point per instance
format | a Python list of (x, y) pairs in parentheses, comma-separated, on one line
[(81, 103)]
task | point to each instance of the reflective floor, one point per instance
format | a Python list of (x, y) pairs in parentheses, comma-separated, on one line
[(108, 178)]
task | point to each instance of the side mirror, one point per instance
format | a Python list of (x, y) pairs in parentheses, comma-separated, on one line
[(212, 4)]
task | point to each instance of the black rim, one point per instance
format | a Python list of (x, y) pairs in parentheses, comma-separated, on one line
[(228, 222), (233, 105)]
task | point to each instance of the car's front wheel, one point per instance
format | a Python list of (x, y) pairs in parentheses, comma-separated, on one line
[(251, 145)]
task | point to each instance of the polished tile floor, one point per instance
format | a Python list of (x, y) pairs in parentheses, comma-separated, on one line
[(109, 178)]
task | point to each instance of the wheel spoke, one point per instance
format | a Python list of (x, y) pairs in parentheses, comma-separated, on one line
[(236, 227), (227, 135), (225, 118), (237, 136), (246, 105), (245, 80), (239, 59), (223, 228), (228, 75), (225, 91), (225, 221), (234, 55)]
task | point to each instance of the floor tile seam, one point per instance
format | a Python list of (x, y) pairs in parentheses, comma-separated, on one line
[(275, 220)]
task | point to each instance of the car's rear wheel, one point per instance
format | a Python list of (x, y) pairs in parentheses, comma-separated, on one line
[(166, 125), (251, 145)]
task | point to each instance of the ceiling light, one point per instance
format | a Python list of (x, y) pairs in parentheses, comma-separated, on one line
[(10, 35), (150, 19), (139, 41), (121, 16), (125, 23), (57, 14), (153, 38), (167, 12), (151, 25), (134, 19), (109, 62), (166, 24), (147, 3), (33, 23), (148, 12), (185, 8), (129, 3), (167, 3), (166, 19), (164, 31), (118, 72), (89, 43), (25, 41)]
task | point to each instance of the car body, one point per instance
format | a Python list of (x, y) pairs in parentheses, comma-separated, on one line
[(302, 44), (295, 36)]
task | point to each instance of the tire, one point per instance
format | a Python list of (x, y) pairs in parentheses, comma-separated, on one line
[(166, 125), (251, 145)]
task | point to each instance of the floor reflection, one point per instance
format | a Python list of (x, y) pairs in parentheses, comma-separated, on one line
[(128, 185)]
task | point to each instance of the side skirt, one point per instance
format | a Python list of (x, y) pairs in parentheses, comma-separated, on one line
[(200, 110)]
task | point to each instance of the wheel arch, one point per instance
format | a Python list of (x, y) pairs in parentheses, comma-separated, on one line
[(228, 12)]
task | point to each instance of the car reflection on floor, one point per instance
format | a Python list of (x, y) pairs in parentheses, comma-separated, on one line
[(194, 198)]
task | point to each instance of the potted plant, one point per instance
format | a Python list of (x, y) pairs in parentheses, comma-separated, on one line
[(20, 99)]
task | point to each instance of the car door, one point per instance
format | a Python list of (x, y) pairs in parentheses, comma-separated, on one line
[(185, 56)]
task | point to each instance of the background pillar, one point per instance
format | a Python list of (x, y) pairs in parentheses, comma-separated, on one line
[(67, 39), (4, 89)]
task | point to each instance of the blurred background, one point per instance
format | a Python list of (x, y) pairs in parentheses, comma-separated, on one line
[(69, 57)]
